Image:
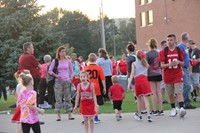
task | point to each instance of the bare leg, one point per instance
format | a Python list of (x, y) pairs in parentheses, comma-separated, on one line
[(154, 96), (159, 95), (91, 119), (86, 124)]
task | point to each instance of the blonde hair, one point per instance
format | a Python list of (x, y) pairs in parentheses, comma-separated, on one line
[(115, 79), (26, 79), (92, 57), (25, 71), (86, 73), (141, 56)]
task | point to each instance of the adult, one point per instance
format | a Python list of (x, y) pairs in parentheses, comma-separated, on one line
[(186, 77), (106, 64), (122, 66), (195, 71), (63, 79), (163, 44), (155, 77), (3, 90), (43, 86), (29, 62), (171, 59)]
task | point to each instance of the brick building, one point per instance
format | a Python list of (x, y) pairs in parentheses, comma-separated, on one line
[(158, 18)]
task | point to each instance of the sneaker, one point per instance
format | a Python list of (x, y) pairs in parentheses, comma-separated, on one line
[(96, 121), (194, 99), (149, 118), (143, 112), (189, 107), (117, 117), (165, 101), (137, 117), (155, 113), (182, 112), (160, 113), (173, 112)]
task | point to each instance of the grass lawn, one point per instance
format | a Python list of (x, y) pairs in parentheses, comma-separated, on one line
[(127, 106)]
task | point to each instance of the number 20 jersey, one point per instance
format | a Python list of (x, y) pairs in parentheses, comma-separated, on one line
[(173, 74), (96, 76)]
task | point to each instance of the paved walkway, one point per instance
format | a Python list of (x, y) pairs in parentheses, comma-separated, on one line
[(162, 124)]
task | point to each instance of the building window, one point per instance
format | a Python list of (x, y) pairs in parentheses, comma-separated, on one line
[(149, 17), (142, 19), (141, 2), (148, 1)]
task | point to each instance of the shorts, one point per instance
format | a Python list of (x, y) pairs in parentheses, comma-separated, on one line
[(155, 78), (195, 79), (176, 88), (117, 104), (100, 100)]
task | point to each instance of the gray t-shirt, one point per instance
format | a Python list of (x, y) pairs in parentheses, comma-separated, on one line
[(154, 64), (106, 64)]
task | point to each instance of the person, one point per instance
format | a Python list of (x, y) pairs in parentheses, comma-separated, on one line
[(155, 77), (19, 89), (88, 101), (171, 59), (43, 86), (186, 77), (163, 44), (63, 79), (98, 78), (81, 63), (29, 62), (4, 92), (116, 93), (122, 66), (114, 65), (195, 71), (76, 69), (142, 86), (106, 64), (27, 103)]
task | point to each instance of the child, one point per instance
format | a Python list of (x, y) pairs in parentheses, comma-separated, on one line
[(27, 103), (117, 94), (98, 78), (19, 89), (88, 102), (142, 86)]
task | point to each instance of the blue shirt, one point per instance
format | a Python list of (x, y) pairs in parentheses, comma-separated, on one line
[(186, 54)]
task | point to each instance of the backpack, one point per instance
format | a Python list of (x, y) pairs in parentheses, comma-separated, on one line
[(50, 79), (166, 49)]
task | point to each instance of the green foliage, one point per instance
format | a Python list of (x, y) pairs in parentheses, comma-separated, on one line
[(21, 21)]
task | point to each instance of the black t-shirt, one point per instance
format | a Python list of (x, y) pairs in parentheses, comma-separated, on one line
[(195, 54)]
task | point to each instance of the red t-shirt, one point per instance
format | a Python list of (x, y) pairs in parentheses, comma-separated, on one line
[(122, 66), (29, 62), (116, 91), (114, 68), (172, 75)]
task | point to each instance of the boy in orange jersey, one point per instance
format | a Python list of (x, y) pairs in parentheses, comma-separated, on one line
[(97, 77)]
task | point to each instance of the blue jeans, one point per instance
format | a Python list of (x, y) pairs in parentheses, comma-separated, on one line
[(186, 86)]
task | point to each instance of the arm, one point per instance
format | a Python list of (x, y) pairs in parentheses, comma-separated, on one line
[(71, 71), (131, 76), (104, 86), (109, 95), (95, 98), (77, 98), (41, 111)]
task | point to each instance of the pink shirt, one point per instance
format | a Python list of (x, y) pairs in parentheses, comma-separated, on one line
[(27, 115), (43, 71)]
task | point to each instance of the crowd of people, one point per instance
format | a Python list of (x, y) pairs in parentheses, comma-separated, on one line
[(173, 68)]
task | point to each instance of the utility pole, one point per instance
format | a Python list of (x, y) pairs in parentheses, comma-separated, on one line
[(114, 45), (103, 43)]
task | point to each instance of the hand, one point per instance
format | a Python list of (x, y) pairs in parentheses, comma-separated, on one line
[(41, 111), (75, 108), (58, 76), (104, 91), (96, 108)]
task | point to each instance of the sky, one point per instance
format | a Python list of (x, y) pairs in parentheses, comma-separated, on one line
[(111, 8)]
